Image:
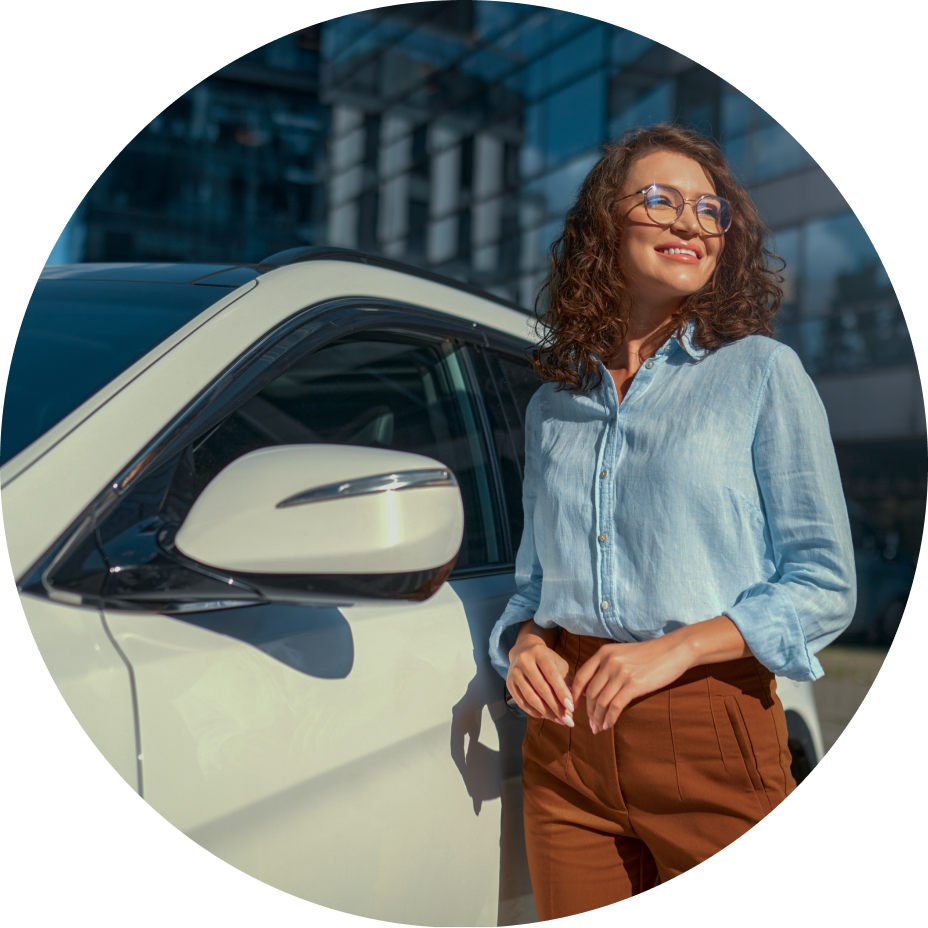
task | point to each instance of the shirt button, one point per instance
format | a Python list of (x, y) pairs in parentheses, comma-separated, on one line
[(649, 365), (602, 537), (602, 476), (604, 604)]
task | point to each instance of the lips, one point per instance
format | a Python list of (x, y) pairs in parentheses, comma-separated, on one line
[(685, 254)]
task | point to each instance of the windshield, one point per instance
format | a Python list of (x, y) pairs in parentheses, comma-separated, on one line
[(77, 335)]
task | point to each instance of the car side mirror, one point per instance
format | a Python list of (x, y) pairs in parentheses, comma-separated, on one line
[(341, 523)]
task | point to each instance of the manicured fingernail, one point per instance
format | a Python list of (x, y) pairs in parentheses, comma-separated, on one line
[(569, 720), (594, 727), (607, 725), (569, 704)]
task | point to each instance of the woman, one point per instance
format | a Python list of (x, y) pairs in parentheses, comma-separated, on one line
[(686, 537)]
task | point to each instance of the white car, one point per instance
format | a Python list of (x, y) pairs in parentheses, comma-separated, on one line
[(272, 643)]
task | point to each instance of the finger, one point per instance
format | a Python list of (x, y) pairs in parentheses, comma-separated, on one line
[(539, 680), (599, 694), (520, 699), (555, 670), (617, 707), (629, 692), (583, 677), (533, 699)]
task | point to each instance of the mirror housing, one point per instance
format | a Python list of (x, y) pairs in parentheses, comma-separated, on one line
[(313, 525), (315, 511)]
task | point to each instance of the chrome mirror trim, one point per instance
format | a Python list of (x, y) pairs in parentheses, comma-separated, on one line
[(381, 483)]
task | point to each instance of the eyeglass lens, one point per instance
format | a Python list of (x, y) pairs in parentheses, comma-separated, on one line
[(665, 205)]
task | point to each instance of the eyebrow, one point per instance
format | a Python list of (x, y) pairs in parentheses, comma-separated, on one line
[(657, 183)]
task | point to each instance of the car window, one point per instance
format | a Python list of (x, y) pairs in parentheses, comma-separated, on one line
[(508, 382), (383, 390), (76, 336)]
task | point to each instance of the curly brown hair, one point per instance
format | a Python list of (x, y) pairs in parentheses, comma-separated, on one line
[(587, 295)]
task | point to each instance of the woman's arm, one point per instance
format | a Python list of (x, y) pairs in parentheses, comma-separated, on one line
[(618, 673), (810, 600), (528, 575)]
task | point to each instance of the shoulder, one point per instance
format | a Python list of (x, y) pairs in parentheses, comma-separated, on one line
[(754, 348), (762, 356), (548, 398)]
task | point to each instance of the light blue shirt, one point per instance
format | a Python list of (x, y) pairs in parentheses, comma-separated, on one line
[(712, 489)]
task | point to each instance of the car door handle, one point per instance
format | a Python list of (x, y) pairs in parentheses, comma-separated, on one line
[(381, 483)]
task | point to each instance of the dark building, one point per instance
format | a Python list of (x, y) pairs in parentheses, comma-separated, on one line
[(229, 171)]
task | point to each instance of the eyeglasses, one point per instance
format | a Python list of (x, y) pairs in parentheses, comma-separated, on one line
[(664, 205)]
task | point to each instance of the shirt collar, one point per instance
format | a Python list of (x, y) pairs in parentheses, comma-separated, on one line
[(686, 342)]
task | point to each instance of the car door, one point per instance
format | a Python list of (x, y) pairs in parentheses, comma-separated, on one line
[(346, 755)]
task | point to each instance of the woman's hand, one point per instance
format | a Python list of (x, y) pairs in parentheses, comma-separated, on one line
[(537, 676), (618, 673)]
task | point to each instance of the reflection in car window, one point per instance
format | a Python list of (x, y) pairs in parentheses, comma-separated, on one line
[(76, 336), (381, 390)]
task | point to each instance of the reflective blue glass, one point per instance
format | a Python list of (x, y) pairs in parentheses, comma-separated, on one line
[(786, 244), (741, 114), (488, 64), (493, 18), (76, 336), (655, 106), (841, 267), (532, 152), (532, 35), (576, 118), (628, 46), (581, 54), (558, 190), (765, 153)]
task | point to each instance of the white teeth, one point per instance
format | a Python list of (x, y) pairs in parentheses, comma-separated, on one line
[(680, 251)]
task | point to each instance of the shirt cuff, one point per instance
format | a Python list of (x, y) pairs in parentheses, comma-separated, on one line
[(503, 635), (767, 619)]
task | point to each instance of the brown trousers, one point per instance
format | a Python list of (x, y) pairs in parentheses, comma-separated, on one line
[(685, 771)]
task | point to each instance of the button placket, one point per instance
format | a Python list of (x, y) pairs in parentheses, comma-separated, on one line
[(601, 500), (606, 503)]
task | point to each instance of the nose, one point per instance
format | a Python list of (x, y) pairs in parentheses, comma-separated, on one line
[(687, 221)]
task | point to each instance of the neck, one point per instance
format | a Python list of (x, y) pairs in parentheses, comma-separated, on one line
[(648, 328)]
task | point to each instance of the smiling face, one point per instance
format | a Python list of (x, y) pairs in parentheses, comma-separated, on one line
[(664, 264)]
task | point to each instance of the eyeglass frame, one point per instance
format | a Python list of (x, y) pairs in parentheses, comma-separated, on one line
[(686, 200)]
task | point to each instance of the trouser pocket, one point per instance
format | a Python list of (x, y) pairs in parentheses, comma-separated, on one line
[(746, 752)]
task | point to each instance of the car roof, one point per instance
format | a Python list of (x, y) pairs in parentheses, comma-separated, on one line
[(234, 275), (220, 275)]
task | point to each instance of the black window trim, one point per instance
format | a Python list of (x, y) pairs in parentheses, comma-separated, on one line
[(338, 313), (502, 512)]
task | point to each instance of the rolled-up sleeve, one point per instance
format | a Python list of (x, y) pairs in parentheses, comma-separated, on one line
[(523, 605), (789, 618)]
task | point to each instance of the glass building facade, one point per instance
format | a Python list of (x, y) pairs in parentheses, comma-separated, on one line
[(453, 135)]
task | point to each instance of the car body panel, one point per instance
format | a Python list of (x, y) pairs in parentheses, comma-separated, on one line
[(289, 774), (799, 697), (92, 676)]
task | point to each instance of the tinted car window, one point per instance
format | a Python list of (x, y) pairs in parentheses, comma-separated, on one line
[(382, 390), (76, 337), (507, 382)]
